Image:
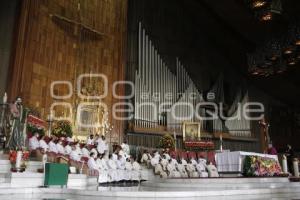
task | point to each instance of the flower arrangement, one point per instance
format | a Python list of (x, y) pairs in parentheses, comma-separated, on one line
[(167, 141), (31, 129), (261, 166), (13, 159), (62, 129)]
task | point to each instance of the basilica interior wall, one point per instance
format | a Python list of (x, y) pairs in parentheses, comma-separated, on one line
[(58, 40)]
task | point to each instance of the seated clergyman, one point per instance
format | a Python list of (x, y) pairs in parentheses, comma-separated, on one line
[(201, 168), (74, 154), (52, 146), (60, 148), (34, 142), (43, 145)]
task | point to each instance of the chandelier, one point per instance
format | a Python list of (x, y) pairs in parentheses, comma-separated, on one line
[(277, 55), (265, 10)]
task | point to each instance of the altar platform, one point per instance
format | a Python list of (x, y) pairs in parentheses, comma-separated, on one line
[(29, 185), (198, 188)]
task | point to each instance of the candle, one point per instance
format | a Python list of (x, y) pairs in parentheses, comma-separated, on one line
[(19, 159), (284, 165), (296, 168), (5, 98)]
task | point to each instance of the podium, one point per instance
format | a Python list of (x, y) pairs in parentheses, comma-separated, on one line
[(56, 174)]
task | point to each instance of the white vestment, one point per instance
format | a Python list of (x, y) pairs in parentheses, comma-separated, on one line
[(125, 148), (136, 171), (128, 171), (212, 171), (60, 148), (85, 152), (33, 143), (93, 150), (201, 168), (92, 164), (103, 173), (52, 147), (68, 149), (164, 163), (90, 141), (155, 160), (78, 150), (182, 171), (121, 169), (192, 171), (112, 171), (75, 156), (69, 139), (43, 145), (102, 146), (183, 161), (146, 158), (168, 157), (173, 173)]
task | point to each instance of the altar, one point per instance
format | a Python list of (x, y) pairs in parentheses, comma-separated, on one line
[(232, 162)]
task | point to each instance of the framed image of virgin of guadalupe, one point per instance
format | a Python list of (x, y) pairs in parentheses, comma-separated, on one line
[(191, 131)]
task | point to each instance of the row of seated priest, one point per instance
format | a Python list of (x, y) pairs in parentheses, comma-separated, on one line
[(120, 165), (165, 165)]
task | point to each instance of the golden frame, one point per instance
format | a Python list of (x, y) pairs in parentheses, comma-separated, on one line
[(191, 131)]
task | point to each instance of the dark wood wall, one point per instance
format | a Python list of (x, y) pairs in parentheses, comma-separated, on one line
[(48, 50)]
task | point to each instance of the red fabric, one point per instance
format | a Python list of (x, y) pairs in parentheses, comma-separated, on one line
[(47, 139), (184, 155), (29, 135), (173, 154), (202, 154), (192, 155), (211, 157), (85, 159)]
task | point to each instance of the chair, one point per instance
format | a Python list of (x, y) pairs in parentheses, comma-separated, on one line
[(202, 154), (192, 155), (211, 157)]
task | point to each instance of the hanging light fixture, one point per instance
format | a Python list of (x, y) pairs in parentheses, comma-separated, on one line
[(265, 10)]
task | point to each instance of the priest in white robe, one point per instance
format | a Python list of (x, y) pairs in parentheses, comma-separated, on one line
[(85, 152), (92, 163), (74, 154), (43, 145), (155, 160), (212, 170), (182, 170), (112, 170), (52, 146), (103, 170), (125, 147), (102, 146), (128, 170), (192, 171), (34, 142), (172, 171), (201, 168), (60, 148), (146, 158), (94, 151), (68, 149), (78, 149), (90, 140), (121, 168), (136, 170)]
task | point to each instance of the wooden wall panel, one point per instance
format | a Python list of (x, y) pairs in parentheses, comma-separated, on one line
[(47, 51)]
